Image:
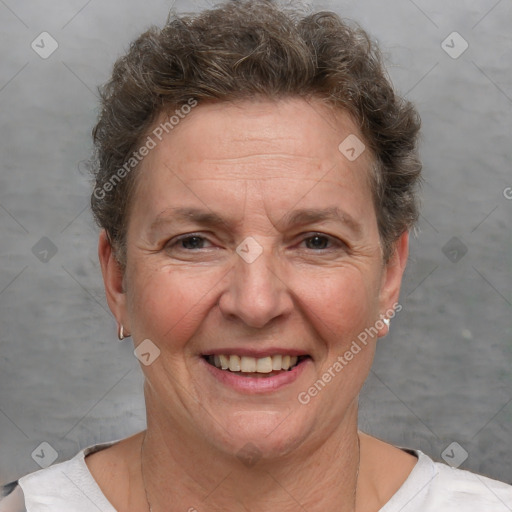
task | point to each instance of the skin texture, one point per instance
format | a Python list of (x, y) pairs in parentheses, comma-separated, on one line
[(253, 164)]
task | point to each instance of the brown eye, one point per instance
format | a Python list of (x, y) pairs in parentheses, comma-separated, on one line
[(317, 242), (192, 242)]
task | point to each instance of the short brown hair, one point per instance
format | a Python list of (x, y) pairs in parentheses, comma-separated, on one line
[(242, 49)]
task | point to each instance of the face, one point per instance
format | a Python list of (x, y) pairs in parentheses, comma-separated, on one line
[(250, 236)]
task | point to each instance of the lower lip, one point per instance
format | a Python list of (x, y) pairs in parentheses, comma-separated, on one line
[(257, 384)]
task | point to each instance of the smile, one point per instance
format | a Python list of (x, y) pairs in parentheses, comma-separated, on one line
[(262, 374), (268, 365)]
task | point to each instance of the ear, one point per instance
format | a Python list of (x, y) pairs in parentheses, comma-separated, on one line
[(113, 276), (392, 279)]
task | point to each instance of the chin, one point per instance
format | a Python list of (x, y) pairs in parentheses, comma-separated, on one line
[(260, 434)]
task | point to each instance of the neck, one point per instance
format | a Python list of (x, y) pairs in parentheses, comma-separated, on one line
[(196, 476)]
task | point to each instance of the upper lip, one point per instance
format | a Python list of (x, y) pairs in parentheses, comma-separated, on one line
[(256, 353)]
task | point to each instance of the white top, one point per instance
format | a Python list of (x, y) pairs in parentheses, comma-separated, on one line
[(430, 487)]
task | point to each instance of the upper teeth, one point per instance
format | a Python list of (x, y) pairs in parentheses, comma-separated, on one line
[(251, 364)]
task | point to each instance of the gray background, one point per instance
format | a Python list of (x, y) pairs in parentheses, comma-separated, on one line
[(443, 375)]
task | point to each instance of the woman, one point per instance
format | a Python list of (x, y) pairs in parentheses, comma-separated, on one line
[(256, 181)]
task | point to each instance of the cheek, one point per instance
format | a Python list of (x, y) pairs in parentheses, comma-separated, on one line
[(168, 304), (339, 304)]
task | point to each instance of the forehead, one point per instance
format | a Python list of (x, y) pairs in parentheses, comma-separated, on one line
[(271, 138), (266, 157)]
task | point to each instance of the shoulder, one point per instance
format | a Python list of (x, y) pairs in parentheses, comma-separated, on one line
[(65, 484), (11, 498), (437, 487), (467, 489)]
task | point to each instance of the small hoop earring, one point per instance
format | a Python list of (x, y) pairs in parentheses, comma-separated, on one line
[(120, 333), (387, 321)]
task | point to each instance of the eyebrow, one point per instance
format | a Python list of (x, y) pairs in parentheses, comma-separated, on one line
[(182, 214), (293, 218), (314, 215)]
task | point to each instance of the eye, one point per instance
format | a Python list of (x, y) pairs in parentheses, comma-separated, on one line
[(189, 242), (319, 242)]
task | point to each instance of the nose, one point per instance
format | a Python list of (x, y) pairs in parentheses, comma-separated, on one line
[(256, 294)]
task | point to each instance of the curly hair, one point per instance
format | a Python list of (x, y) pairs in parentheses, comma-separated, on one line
[(236, 51)]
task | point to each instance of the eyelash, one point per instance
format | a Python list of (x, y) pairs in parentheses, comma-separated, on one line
[(334, 241), (186, 237)]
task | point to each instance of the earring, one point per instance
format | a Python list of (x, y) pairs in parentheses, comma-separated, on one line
[(120, 332), (387, 321)]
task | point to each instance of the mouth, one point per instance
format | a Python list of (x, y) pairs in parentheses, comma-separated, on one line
[(256, 367)]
